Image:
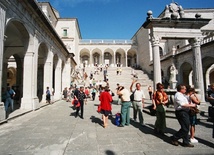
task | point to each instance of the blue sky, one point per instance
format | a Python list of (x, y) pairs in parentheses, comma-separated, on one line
[(116, 19)]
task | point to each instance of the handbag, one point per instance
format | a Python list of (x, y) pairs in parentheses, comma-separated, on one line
[(193, 111), (132, 96), (99, 108)]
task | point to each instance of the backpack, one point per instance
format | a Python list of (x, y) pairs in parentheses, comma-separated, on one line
[(117, 119), (132, 96)]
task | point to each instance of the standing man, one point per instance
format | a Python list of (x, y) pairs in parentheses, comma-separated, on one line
[(138, 103), (9, 100), (125, 105), (182, 105)]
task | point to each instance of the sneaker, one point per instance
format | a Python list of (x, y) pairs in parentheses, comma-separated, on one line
[(135, 120), (193, 140)]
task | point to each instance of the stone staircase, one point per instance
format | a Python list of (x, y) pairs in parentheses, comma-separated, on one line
[(124, 79)]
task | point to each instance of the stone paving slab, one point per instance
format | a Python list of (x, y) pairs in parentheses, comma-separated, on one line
[(53, 130)]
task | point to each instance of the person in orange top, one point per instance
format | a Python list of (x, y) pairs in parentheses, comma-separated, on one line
[(105, 103), (159, 100)]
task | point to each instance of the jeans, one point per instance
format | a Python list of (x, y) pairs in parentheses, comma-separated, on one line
[(125, 113), (183, 119), (8, 102)]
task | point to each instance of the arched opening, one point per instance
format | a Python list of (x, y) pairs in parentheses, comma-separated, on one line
[(15, 45), (185, 71), (42, 57)]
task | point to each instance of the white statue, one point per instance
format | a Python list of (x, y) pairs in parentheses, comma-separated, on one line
[(173, 72)]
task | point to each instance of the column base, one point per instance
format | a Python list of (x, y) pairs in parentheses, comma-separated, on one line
[(173, 85), (2, 112), (30, 103)]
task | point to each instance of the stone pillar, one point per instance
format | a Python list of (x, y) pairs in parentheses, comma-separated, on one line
[(91, 61), (48, 74), (66, 74), (197, 69), (115, 64), (30, 100), (126, 61), (156, 61), (2, 28), (58, 80)]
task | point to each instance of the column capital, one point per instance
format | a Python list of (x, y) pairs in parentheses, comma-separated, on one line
[(195, 42), (155, 40)]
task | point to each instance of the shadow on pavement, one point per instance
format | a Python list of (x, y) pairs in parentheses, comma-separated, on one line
[(109, 152), (205, 142), (96, 120), (149, 129)]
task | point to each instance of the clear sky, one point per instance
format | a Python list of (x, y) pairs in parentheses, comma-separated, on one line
[(116, 19)]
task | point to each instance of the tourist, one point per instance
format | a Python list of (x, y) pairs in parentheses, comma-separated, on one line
[(159, 100), (48, 95), (81, 98), (125, 105), (210, 94), (193, 99), (182, 106), (150, 92), (93, 93), (138, 102), (105, 103)]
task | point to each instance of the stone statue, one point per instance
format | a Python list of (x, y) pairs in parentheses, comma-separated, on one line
[(173, 72)]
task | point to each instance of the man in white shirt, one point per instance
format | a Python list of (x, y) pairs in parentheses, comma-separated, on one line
[(138, 103), (182, 105), (125, 105)]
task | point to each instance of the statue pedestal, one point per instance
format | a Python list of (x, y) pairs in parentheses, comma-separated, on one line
[(173, 84)]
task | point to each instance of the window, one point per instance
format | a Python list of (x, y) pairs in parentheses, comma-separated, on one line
[(65, 33)]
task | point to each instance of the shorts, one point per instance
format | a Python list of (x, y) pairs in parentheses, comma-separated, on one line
[(105, 112), (193, 120)]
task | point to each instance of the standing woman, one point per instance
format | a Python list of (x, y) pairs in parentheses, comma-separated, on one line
[(193, 99), (105, 103), (48, 96), (159, 100), (81, 98)]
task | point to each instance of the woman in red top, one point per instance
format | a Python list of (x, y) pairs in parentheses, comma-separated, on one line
[(105, 103)]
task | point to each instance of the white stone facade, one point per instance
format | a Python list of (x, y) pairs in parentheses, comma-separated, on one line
[(38, 49), (29, 40)]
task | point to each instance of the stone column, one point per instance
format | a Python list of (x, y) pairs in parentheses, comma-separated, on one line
[(91, 61), (66, 74), (115, 59), (2, 28), (58, 80), (156, 61), (30, 100), (197, 69), (126, 61), (48, 74)]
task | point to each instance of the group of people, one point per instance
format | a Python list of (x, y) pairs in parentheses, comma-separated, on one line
[(185, 99)]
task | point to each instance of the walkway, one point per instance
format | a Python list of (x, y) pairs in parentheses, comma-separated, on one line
[(53, 130)]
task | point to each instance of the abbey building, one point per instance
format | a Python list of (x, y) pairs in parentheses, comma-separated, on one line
[(39, 49)]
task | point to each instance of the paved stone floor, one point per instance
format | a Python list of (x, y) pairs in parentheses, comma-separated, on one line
[(53, 130)]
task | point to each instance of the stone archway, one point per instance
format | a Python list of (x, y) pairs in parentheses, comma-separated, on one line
[(15, 47), (42, 57), (185, 71), (132, 58), (173, 25)]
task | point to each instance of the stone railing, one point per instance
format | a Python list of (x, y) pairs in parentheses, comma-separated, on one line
[(105, 41)]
